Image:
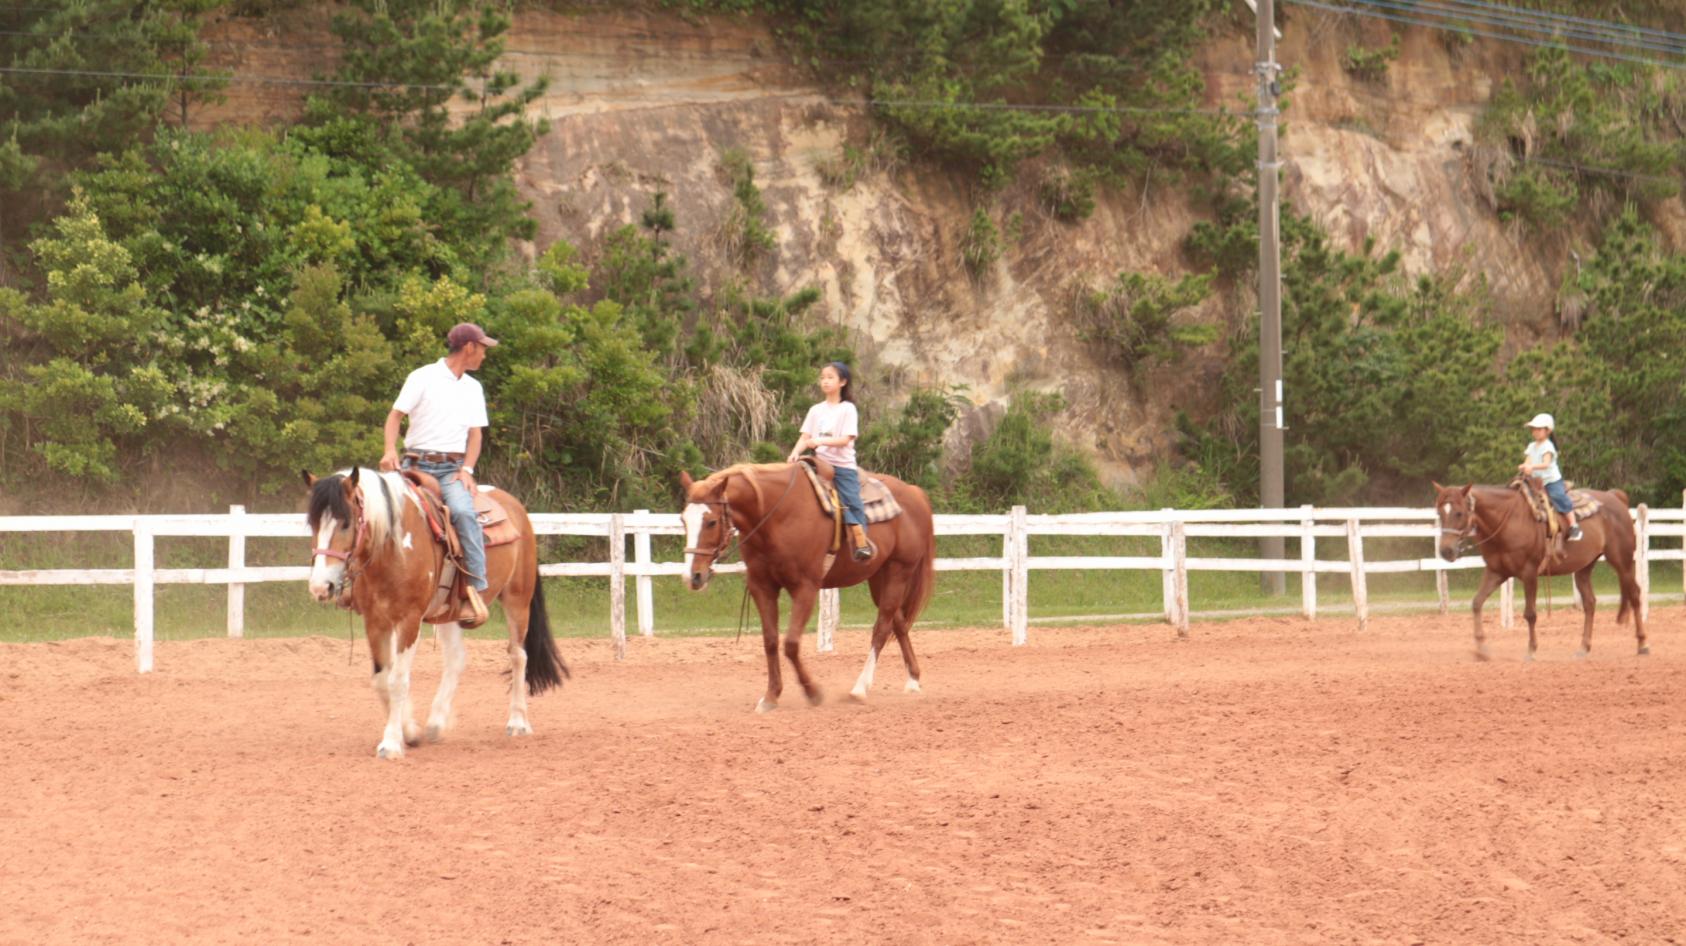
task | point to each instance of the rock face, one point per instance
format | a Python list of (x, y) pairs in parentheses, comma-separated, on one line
[(641, 103)]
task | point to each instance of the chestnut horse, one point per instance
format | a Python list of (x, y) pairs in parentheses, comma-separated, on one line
[(375, 555), (1499, 521), (783, 538)]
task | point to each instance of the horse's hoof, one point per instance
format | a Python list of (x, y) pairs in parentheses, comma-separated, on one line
[(765, 705), (1582, 654), (384, 751), (912, 686), (1481, 655), (1528, 657), (435, 733), (858, 694), (518, 729), (1644, 651), (815, 698)]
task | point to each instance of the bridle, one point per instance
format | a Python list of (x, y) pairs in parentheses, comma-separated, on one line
[(348, 556), (1468, 531)]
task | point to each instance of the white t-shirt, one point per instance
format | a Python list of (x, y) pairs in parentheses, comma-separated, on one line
[(826, 419), (442, 408), (1537, 449)]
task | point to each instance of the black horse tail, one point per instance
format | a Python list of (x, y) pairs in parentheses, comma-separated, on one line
[(545, 668)]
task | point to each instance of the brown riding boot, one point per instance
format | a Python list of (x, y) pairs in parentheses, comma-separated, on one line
[(473, 611), (863, 547)]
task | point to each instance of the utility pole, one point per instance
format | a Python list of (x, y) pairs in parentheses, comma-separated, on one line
[(1270, 291)]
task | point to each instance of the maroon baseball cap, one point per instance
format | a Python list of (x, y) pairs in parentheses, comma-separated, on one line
[(464, 332)]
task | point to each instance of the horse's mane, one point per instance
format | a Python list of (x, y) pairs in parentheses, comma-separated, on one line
[(382, 494), (718, 477)]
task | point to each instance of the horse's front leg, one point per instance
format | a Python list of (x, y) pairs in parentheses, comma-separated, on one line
[(392, 685), (1490, 580), (1530, 591), (455, 659), (802, 600), (1589, 604), (767, 603)]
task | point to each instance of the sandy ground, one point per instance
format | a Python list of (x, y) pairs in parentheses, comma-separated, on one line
[(1268, 781)]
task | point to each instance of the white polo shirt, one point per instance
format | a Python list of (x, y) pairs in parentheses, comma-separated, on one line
[(442, 408)]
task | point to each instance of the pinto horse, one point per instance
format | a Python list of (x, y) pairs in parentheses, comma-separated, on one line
[(375, 555), (783, 539), (1499, 522)]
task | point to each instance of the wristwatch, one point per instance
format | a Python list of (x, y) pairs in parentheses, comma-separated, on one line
[(469, 470)]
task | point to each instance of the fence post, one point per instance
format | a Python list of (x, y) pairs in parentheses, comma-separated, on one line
[(645, 598), (143, 596), (831, 610), (1507, 603), (617, 583), (1008, 547), (1179, 571), (1168, 577), (1642, 559), (1021, 577), (236, 559), (1360, 586), (1308, 556)]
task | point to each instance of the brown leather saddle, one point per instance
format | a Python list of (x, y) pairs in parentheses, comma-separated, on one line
[(876, 500), (494, 523), (1582, 501)]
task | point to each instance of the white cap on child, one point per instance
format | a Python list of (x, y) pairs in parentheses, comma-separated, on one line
[(1542, 420)]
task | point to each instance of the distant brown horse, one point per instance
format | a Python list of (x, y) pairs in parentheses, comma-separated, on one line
[(784, 537), (375, 555), (1499, 522)]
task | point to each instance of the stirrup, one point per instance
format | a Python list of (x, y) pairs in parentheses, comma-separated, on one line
[(473, 612)]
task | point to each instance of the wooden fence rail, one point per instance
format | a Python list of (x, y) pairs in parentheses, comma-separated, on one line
[(1172, 528)]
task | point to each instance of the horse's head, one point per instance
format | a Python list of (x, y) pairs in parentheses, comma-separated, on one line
[(337, 521), (1454, 509), (708, 526)]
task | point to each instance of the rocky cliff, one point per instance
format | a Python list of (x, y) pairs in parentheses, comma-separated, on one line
[(646, 102)]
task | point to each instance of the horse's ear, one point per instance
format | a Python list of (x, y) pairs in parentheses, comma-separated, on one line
[(1467, 488), (685, 481), (351, 480), (309, 478), (1437, 487)]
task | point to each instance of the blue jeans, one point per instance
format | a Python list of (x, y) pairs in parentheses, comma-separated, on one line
[(848, 483), (461, 504), (1559, 495)]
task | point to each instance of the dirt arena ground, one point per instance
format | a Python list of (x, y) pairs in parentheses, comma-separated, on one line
[(1268, 781)]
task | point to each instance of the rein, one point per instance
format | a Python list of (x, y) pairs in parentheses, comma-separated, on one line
[(1469, 531)]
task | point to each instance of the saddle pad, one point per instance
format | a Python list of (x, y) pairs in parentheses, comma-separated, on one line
[(494, 520), (876, 499), (1584, 503)]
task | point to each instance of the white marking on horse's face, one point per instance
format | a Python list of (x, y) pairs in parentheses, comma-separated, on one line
[(407, 543), (692, 516), (324, 571)]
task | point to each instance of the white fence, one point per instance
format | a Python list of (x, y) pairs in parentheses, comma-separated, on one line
[(1173, 528)]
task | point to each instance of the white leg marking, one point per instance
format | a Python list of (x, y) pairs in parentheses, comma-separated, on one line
[(863, 683), (456, 657), (518, 725), (386, 683)]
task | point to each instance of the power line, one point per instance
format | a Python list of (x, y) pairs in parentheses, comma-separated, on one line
[(1452, 11), (1506, 37)]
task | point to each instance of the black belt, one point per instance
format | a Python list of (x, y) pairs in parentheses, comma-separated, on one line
[(434, 457)]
